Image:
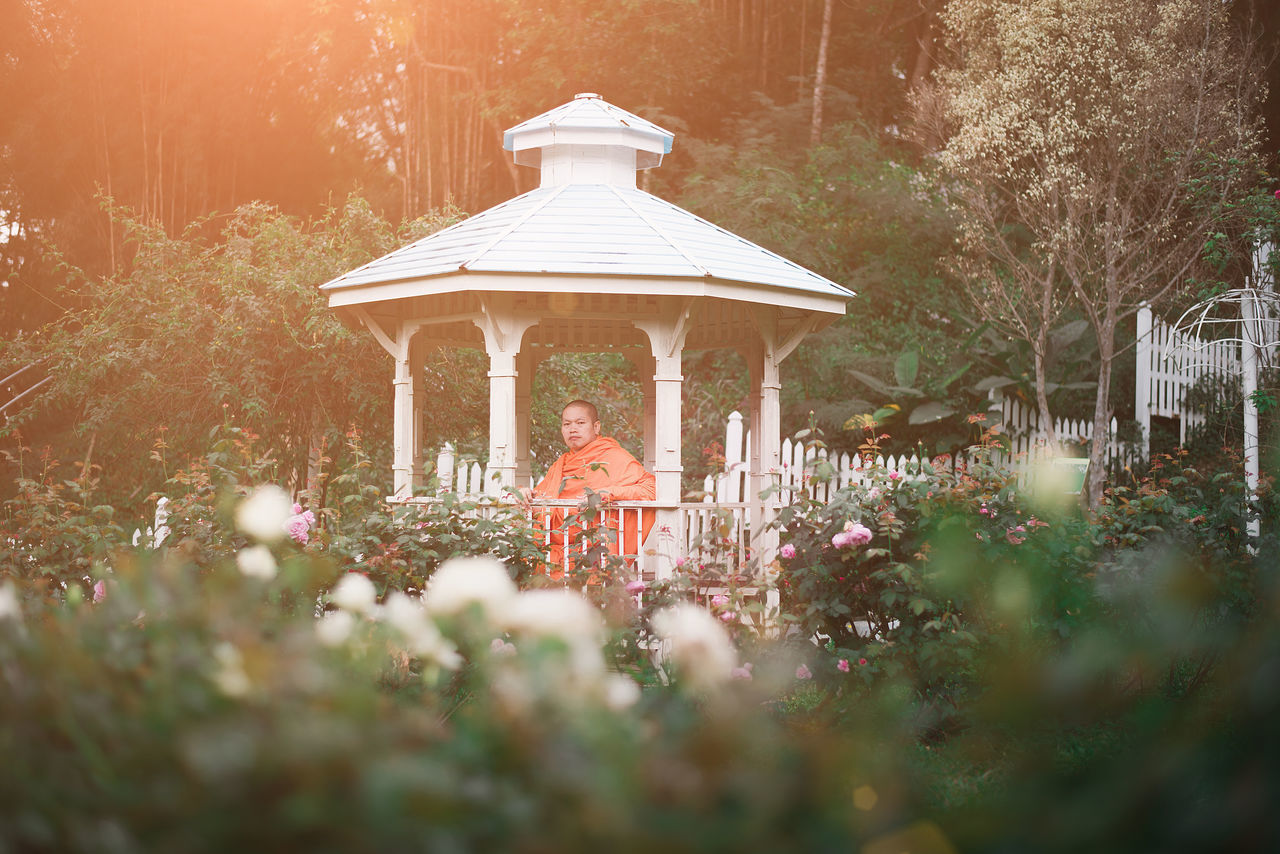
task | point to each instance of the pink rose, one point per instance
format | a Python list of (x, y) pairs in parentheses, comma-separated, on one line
[(859, 534), (719, 600), (843, 666), (788, 551), (862, 661), (100, 590), (803, 672), (635, 586), (728, 616), (298, 526), (743, 672)]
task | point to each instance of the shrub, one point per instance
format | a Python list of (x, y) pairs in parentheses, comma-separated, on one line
[(914, 577)]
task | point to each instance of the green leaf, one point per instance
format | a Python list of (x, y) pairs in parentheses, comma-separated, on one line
[(995, 381), (876, 385), (956, 374), (906, 368), (1068, 334), (929, 412)]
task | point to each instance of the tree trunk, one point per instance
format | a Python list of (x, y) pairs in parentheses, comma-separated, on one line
[(820, 75), (1101, 411), (1042, 394), (1041, 354)]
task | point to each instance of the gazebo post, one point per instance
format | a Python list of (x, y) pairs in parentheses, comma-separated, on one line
[(666, 339), (503, 335), (646, 370), (525, 366), (405, 425), (418, 348), (776, 343), (765, 446)]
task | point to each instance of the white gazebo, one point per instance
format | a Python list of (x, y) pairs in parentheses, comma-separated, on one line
[(588, 262)]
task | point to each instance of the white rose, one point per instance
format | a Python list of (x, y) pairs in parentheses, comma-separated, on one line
[(465, 581), (620, 692), (256, 562), (354, 592), (554, 613), (261, 516), (700, 648), (334, 627), (10, 607)]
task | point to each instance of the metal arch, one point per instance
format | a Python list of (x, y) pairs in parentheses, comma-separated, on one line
[(1264, 335)]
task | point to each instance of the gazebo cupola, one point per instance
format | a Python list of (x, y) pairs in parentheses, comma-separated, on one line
[(588, 141), (587, 262)]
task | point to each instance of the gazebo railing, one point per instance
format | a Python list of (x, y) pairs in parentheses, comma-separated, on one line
[(707, 534)]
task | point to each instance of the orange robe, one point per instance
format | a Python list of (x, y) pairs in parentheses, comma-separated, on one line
[(603, 466)]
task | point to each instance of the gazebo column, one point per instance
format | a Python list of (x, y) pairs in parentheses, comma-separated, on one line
[(503, 333), (777, 341), (646, 371), (406, 422), (765, 450), (418, 348), (525, 366), (666, 338)]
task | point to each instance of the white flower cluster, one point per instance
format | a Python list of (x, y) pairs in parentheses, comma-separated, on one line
[(538, 648), (698, 646)]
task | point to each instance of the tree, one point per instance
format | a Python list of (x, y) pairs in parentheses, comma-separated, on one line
[(855, 210), (232, 330), (1097, 144)]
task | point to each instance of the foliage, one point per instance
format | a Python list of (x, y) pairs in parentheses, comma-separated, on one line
[(953, 563), (858, 210), (399, 547), (200, 333), (1022, 665), (1198, 524), (53, 531), (222, 703), (402, 101), (1116, 138)]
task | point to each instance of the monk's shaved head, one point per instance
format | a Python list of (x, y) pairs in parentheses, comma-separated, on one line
[(579, 424), (583, 404)]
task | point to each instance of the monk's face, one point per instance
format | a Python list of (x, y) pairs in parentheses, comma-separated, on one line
[(577, 428)]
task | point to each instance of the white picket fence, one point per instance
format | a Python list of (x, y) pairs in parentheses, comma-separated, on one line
[(466, 476), (1169, 363), (1029, 444)]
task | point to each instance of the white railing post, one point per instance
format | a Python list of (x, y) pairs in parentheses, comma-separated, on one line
[(444, 467)]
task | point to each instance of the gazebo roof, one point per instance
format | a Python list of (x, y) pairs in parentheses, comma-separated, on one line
[(588, 253), (606, 232)]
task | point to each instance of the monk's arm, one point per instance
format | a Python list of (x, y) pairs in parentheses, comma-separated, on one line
[(549, 486), (635, 484)]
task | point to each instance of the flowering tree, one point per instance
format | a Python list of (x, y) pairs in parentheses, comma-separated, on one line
[(1098, 144)]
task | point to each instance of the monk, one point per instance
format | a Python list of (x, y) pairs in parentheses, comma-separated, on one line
[(597, 463)]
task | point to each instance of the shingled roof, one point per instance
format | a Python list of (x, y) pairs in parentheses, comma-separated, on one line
[(586, 220)]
